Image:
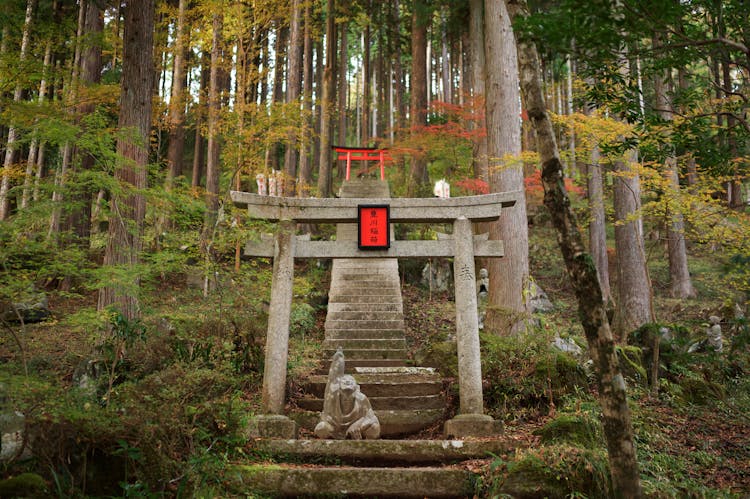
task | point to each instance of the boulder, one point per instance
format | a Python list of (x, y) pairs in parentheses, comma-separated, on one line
[(33, 309), (538, 299)]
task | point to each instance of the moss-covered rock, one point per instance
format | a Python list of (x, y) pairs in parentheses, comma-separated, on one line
[(442, 355), (554, 472), (26, 485), (696, 390), (577, 429)]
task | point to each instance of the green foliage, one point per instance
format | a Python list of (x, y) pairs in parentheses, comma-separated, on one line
[(528, 376), (557, 471)]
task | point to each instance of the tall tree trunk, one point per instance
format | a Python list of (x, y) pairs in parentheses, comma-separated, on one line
[(70, 93), (597, 224), (343, 87), (294, 86), (200, 113), (476, 33), (634, 306), (366, 82), (509, 276), (326, 104), (36, 147), (618, 428), (124, 240), (420, 18), (177, 100), (681, 285), (79, 218), (10, 151), (305, 165), (213, 165), (445, 60), (398, 70), (277, 95)]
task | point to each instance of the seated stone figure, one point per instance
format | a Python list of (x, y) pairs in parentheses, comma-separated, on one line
[(346, 411)]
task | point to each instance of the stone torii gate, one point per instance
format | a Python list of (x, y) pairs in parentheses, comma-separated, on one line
[(464, 247)]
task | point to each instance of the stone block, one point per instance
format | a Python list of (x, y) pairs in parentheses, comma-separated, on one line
[(271, 426), (472, 425)]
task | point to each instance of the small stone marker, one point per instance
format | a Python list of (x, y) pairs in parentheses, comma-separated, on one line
[(347, 412)]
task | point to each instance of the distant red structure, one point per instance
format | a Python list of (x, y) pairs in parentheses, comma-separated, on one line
[(363, 154)]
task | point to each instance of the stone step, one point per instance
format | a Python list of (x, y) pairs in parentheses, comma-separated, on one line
[(352, 289), (352, 334), (365, 324), (392, 423), (397, 403), (382, 386), (295, 481), (365, 307), (367, 452), (351, 315), (356, 363), (366, 277), (354, 354), (364, 288), (370, 298), (331, 344)]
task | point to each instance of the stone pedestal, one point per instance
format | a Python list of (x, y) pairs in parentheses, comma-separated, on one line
[(271, 426), (472, 425)]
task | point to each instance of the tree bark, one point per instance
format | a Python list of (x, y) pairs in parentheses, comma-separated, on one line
[(36, 147), (177, 100), (680, 284), (305, 165), (213, 165), (366, 81), (200, 112), (10, 151), (326, 105), (124, 240), (445, 59), (509, 276), (476, 34), (398, 72), (419, 20), (617, 424), (343, 88), (79, 217), (598, 223), (294, 86)]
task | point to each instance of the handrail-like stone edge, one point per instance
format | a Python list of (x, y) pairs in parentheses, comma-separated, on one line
[(399, 249), (485, 207)]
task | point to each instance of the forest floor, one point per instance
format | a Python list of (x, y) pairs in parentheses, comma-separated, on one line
[(693, 436)]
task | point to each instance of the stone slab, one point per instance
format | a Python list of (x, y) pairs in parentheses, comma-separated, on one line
[(369, 353), (477, 208), (472, 425), (271, 426), (384, 451), (395, 403), (364, 333), (398, 249), (291, 481), (392, 423), (364, 343)]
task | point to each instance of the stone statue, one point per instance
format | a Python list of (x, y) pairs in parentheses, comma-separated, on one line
[(483, 287), (346, 411), (713, 334)]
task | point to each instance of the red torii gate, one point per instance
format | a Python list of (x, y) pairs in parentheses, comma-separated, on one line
[(363, 154)]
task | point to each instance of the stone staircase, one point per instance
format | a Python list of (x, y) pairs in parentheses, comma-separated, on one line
[(365, 318)]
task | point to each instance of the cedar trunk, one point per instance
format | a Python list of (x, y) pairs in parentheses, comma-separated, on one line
[(214, 151), (419, 21), (326, 105), (128, 210), (612, 395), (177, 101), (506, 311)]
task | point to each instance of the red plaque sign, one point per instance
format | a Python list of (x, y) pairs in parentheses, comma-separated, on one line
[(374, 227)]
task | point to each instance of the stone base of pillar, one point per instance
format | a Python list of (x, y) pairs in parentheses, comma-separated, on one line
[(271, 426), (472, 425)]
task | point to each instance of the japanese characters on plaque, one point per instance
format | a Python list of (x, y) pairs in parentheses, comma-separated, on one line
[(374, 227)]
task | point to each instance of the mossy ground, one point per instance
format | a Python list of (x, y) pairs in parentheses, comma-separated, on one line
[(174, 417)]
